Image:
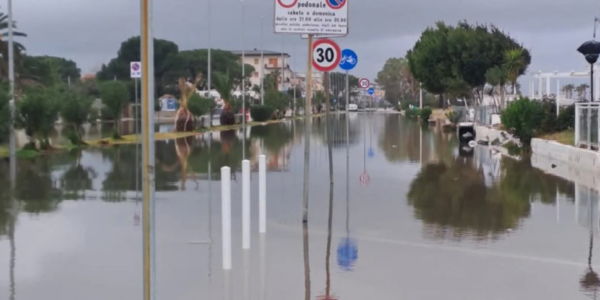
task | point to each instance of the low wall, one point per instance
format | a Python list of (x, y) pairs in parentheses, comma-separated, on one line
[(483, 133), (579, 165)]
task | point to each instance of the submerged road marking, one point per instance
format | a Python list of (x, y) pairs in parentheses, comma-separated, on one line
[(441, 247)]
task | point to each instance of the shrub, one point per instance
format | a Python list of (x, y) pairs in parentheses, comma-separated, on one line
[(413, 113), (114, 95), (261, 113), (425, 113), (454, 117), (75, 108), (5, 117), (227, 118), (38, 111), (523, 118), (566, 118)]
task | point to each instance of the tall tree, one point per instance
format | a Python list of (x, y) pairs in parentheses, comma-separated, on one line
[(165, 53), (454, 60), (49, 70), (19, 49), (397, 80)]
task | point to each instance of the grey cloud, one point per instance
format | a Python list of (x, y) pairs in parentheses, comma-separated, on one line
[(90, 31)]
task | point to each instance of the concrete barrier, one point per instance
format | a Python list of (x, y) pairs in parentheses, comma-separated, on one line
[(578, 165)]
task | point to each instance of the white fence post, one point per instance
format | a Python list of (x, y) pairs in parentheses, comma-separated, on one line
[(262, 194), (245, 204), (226, 215)]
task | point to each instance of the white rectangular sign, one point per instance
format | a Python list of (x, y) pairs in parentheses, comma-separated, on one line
[(135, 68), (323, 17)]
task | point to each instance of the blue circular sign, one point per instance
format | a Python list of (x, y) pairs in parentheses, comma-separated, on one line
[(371, 91), (347, 254), (349, 60), (336, 4), (136, 67)]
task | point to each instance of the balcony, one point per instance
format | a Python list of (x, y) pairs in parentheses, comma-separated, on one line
[(276, 66)]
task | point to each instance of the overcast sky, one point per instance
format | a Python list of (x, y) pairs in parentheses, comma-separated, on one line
[(90, 31)]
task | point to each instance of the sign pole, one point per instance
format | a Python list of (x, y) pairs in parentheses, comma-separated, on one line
[(147, 52), (307, 127), (11, 79)]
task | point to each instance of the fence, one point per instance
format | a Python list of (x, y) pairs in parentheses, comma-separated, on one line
[(587, 121), (483, 114)]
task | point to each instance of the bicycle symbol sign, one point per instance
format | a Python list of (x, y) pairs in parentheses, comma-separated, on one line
[(326, 55), (349, 60)]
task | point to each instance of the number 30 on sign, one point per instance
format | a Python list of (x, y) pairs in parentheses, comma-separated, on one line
[(326, 55)]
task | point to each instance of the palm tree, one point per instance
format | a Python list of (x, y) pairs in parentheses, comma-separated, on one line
[(19, 49), (582, 91), (568, 90), (514, 63), (224, 86)]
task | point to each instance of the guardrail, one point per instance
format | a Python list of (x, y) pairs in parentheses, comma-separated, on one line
[(587, 123)]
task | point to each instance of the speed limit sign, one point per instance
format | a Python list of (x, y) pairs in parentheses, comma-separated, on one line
[(364, 83), (326, 55)]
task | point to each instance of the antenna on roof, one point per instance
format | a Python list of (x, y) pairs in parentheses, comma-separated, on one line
[(596, 21)]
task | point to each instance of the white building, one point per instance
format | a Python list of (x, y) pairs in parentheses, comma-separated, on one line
[(272, 61)]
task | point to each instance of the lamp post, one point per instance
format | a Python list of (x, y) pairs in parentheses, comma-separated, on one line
[(591, 51), (243, 88), (209, 63), (262, 63), (11, 79)]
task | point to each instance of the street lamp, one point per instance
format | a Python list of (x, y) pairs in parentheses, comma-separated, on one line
[(262, 63), (591, 51)]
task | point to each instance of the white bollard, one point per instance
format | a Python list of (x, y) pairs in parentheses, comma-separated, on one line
[(226, 215), (262, 194), (245, 204)]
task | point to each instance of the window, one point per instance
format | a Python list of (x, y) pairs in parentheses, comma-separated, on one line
[(256, 61), (273, 62)]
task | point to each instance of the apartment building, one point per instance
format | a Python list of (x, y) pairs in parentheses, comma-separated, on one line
[(272, 61)]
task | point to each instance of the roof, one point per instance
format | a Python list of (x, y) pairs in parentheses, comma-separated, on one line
[(256, 52)]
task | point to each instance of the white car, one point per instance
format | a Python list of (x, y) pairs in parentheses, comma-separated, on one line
[(352, 107)]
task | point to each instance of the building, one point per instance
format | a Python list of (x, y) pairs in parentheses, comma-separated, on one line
[(272, 61)]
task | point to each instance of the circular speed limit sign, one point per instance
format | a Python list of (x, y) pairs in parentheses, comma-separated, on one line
[(326, 55), (364, 83)]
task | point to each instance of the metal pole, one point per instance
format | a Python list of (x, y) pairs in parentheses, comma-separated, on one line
[(557, 97), (589, 108), (147, 52), (243, 88), (209, 67), (262, 64), (307, 116), (420, 95), (11, 79), (282, 64)]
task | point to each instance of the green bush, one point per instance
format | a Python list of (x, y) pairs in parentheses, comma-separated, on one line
[(425, 113), (5, 117), (566, 118), (38, 111), (75, 108), (261, 113), (454, 117), (115, 96), (413, 113), (523, 118), (106, 114)]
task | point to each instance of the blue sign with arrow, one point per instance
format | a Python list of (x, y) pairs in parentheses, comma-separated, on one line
[(349, 60), (371, 91)]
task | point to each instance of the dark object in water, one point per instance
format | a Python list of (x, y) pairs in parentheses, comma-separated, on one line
[(466, 133)]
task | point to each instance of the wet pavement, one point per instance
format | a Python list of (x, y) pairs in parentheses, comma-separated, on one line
[(424, 219)]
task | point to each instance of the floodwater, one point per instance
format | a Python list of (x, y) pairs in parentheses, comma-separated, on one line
[(424, 219)]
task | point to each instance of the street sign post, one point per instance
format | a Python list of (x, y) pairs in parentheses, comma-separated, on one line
[(371, 91), (323, 17), (135, 68), (326, 55), (364, 83)]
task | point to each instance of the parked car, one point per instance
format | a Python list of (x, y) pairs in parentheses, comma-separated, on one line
[(352, 107)]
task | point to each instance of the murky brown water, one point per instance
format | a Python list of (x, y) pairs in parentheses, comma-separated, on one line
[(432, 221)]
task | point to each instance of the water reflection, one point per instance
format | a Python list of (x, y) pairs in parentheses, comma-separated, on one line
[(465, 198)]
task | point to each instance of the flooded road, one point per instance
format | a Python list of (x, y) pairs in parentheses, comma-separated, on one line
[(424, 219)]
